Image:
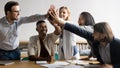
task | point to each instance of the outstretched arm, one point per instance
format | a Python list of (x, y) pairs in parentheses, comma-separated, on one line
[(57, 29), (35, 58), (32, 18), (56, 26), (79, 31), (70, 27)]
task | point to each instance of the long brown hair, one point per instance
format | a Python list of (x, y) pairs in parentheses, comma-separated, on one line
[(104, 28), (89, 20)]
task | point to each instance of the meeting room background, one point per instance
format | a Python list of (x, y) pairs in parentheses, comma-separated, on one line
[(102, 10)]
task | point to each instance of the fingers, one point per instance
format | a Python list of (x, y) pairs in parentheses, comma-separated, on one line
[(57, 12), (52, 6), (106, 66), (50, 20), (54, 17), (49, 59), (53, 12)]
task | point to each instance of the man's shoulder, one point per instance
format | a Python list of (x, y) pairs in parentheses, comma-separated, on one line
[(116, 40), (115, 43), (3, 18), (51, 34), (35, 37)]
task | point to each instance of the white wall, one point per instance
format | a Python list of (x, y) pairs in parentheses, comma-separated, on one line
[(102, 10)]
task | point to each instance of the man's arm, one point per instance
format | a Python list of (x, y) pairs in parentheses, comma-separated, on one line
[(70, 27), (35, 58), (56, 26), (79, 31), (110, 66), (105, 66), (32, 18), (57, 29), (31, 51)]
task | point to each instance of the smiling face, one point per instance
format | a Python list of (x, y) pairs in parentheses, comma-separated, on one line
[(99, 36), (86, 19), (64, 14), (81, 20), (42, 28), (102, 32)]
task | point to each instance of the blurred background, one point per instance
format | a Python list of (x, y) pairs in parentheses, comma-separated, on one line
[(101, 10)]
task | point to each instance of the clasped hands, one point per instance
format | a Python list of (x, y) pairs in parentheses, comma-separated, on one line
[(53, 16)]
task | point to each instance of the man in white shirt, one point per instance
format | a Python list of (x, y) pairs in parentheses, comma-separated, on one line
[(9, 24), (41, 46)]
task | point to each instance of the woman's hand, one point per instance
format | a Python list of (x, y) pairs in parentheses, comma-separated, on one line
[(106, 66), (54, 17), (50, 59)]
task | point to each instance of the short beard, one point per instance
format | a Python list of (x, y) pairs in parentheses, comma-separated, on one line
[(102, 40)]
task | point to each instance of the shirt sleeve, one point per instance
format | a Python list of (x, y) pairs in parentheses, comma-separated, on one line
[(31, 50), (53, 36), (30, 19), (79, 31), (116, 65)]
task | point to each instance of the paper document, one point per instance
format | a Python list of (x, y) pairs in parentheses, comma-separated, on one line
[(72, 66), (74, 61), (41, 62), (56, 64)]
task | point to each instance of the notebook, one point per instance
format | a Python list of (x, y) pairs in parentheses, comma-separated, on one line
[(6, 63)]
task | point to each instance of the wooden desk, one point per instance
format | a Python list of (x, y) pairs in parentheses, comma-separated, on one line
[(28, 64), (22, 64)]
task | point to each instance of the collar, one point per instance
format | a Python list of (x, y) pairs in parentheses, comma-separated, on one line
[(107, 46), (8, 22)]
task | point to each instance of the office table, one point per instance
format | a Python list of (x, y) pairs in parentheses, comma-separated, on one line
[(22, 64), (30, 64)]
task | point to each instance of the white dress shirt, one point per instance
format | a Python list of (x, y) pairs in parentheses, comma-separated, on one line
[(9, 39)]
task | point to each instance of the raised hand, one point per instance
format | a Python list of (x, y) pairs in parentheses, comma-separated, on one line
[(106, 66), (49, 11), (54, 17), (57, 27)]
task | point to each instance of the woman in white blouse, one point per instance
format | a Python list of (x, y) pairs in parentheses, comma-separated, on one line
[(67, 41)]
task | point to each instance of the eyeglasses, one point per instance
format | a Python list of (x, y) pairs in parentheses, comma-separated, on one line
[(16, 11)]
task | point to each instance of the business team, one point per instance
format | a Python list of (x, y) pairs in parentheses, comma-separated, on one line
[(41, 47)]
